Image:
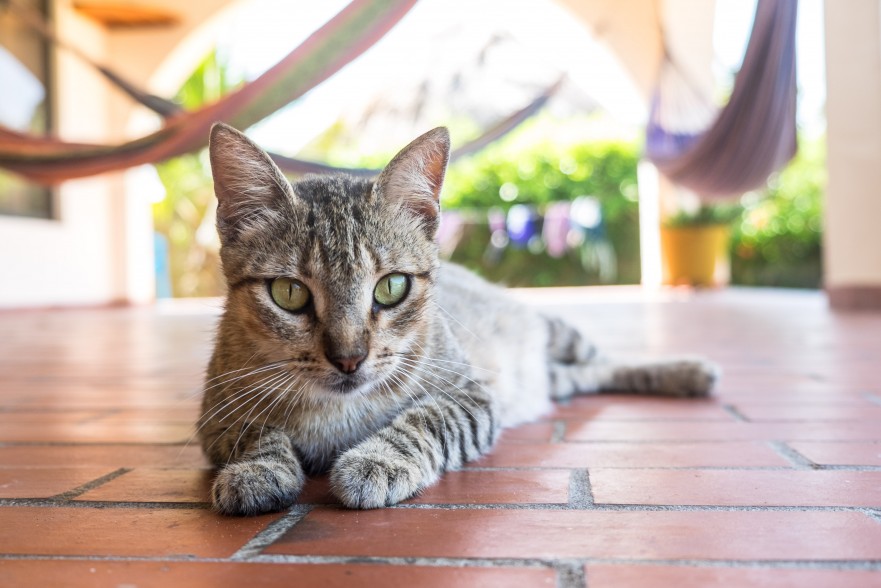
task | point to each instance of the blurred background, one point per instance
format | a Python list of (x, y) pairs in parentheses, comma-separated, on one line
[(555, 109)]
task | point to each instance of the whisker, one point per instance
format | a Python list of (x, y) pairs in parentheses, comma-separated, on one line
[(420, 368), (212, 414), (454, 319)]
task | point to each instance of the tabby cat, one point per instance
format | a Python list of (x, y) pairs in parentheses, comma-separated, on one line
[(347, 346)]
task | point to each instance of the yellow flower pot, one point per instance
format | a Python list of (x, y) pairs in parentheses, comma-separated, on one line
[(695, 255)]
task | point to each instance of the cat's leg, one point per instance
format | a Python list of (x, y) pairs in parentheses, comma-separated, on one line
[(258, 470), (684, 377), (566, 344), (575, 367), (442, 433)]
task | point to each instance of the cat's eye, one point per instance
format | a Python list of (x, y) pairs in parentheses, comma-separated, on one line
[(391, 289), (289, 294)]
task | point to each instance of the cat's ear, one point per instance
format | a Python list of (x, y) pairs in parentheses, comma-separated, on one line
[(413, 179), (251, 191)]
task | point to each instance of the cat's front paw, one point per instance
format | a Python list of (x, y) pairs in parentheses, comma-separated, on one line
[(255, 487), (373, 475)]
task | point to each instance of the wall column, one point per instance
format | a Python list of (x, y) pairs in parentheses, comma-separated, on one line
[(852, 233)]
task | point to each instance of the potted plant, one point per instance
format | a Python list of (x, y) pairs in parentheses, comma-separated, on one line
[(694, 245)]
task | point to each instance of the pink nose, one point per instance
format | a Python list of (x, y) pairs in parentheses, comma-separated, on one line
[(349, 364)]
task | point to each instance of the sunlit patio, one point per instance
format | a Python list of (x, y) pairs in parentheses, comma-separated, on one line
[(773, 482)]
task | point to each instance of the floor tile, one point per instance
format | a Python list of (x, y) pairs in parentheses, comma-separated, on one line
[(124, 531), (736, 487), (620, 576), (114, 456), (581, 455), (502, 487), (516, 533), (831, 453), (44, 483), (620, 407), (97, 432), (530, 432), (156, 485), (690, 431), (812, 412), (103, 574)]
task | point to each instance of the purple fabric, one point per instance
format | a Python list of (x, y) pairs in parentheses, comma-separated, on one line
[(555, 231), (755, 133), (522, 224)]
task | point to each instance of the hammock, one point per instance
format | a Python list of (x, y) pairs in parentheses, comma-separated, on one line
[(346, 36), (47, 160), (753, 135), (494, 133)]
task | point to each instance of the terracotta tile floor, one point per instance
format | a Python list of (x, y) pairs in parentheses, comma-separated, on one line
[(776, 481)]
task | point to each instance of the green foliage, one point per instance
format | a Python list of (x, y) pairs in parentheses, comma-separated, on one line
[(185, 216), (706, 214), (507, 174), (777, 241)]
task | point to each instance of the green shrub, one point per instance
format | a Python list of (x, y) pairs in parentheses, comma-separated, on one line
[(504, 175), (777, 240)]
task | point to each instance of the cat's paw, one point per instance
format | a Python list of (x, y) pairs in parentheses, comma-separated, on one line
[(373, 474), (255, 487), (691, 377)]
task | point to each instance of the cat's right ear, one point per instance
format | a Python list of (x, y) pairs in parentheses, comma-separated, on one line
[(251, 191), (414, 177)]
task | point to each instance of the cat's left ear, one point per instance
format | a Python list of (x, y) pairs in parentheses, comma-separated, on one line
[(413, 179)]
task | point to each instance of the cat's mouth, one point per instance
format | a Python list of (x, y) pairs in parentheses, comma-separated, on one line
[(346, 384)]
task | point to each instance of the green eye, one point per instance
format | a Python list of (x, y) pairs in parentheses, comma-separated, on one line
[(391, 289), (289, 294)]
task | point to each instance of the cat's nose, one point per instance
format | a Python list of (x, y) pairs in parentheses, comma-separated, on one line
[(347, 364)]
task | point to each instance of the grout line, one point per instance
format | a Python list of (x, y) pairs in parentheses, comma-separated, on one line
[(570, 574), (610, 507), (799, 461), (559, 433), (271, 533), (875, 515), (735, 414), (580, 493), (846, 468), (870, 565), (821, 564), (79, 490), (440, 562), (604, 507), (52, 502)]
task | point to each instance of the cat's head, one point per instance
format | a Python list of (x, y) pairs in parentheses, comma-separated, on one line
[(332, 274)]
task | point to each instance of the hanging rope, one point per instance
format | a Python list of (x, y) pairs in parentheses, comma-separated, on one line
[(754, 134)]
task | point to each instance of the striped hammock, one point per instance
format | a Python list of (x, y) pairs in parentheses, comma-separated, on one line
[(346, 36), (47, 160)]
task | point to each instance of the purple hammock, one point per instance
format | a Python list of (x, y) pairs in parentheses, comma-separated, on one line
[(754, 134)]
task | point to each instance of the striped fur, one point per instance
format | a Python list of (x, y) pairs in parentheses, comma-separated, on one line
[(445, 369)]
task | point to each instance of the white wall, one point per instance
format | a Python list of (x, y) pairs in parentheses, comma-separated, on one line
[(68, 260), (99, 249)]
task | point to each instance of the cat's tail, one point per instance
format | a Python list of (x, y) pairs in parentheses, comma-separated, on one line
[(575, 367)]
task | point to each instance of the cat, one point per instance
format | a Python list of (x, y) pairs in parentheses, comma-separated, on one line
[(347, 347)]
